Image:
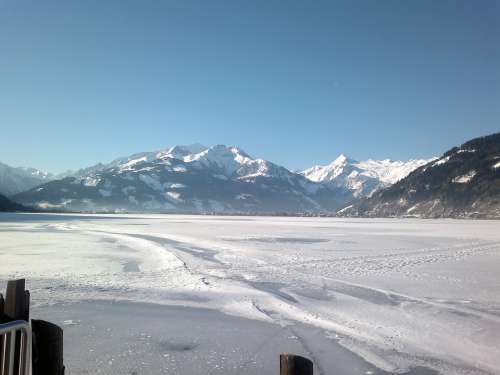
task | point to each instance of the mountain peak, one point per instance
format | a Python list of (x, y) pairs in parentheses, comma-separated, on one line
[(220, 148), (181, 151), (342, 159)]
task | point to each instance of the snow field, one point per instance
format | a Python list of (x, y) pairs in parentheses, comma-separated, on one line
[(397, 293)]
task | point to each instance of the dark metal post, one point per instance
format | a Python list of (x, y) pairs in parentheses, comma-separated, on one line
[(291, 364), (47, 348)]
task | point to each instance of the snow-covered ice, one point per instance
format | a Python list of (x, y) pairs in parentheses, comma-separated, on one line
[(176, 294)]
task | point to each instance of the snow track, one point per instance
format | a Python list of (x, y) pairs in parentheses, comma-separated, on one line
[(400, 294)]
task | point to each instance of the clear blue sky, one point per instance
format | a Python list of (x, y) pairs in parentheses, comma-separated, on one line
[(295, 82)]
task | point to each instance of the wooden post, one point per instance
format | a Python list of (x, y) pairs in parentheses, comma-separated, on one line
[(16, 301), (291, 364)]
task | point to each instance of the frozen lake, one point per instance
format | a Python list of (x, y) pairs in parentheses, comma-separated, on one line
[(172, 294)]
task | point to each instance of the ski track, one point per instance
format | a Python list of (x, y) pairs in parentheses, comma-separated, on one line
[(390, 262)]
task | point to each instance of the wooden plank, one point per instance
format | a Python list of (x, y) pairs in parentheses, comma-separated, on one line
[(15, 300), (291, 364)]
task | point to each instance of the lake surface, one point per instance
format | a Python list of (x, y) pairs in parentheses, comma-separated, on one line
[(178, 294)]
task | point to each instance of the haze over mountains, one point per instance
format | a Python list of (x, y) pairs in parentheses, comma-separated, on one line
[(225, 179)]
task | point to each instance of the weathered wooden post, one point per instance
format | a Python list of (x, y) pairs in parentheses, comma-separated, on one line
[(291, 364), (16, 306)]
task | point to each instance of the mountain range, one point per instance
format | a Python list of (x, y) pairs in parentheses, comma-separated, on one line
[(464, 182), (362, 178), (220, 178), (16, 180)]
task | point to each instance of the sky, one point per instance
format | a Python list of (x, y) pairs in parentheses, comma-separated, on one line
[(294, 82)]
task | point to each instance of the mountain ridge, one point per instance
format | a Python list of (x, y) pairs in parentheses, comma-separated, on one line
[(191, 178), (14, 180), (6, 205), (362, 177), (464, 182)]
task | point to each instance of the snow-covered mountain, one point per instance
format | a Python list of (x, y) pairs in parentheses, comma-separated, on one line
[(15, 180), (464, 182), (221, 178), (224, 161), (186, 179), (362, 178)]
